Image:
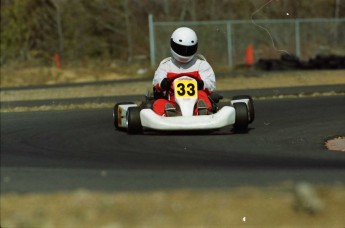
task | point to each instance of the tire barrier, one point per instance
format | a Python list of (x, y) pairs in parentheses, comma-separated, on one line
[(292, 62)]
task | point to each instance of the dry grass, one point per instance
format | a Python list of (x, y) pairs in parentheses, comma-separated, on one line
[(25, 76), (283, 79), (247, 207)]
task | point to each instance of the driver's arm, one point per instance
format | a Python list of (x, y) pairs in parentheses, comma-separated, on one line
[(160, 74), (207, 75)]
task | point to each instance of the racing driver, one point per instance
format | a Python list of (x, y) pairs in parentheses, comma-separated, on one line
[(184, 62)]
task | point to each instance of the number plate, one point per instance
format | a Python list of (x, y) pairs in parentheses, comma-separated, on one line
[(185, 89)]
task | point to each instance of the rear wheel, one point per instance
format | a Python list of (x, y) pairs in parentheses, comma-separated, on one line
[(116, 113), (241, 120), (134, 122), (250, 106)]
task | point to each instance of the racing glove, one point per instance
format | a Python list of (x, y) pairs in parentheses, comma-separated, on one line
[(215, 97), (165, 84), (200, 84)]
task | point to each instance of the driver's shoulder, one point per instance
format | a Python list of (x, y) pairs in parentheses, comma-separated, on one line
[(200, 57), (166, 60), (201, 61)]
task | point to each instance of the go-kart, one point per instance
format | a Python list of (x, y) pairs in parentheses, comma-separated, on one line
[(135, 118)]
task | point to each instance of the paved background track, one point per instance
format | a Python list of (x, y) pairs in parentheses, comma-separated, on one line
[(269, 92), (65, 150)]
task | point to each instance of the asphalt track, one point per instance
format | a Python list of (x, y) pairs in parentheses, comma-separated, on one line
[(68, 150)]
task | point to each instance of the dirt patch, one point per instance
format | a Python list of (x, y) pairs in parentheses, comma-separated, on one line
[(336, 144), (249, 207)]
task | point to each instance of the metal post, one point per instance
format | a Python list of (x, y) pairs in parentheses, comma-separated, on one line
[(229, 43), (152, 41), (297, 38)]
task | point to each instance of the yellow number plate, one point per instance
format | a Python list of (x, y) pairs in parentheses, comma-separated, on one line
[(185, 88)]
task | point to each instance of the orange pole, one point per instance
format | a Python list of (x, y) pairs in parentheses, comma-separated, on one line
[(249, 55), (57, 60)]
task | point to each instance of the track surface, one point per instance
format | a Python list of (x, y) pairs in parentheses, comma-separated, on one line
[(66, 150)]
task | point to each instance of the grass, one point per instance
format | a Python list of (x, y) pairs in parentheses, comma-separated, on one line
[(272, 206), (22, 75)]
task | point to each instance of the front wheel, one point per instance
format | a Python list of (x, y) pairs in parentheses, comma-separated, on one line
[(117, 113), (134, 122), (251, 109), (241, 119)]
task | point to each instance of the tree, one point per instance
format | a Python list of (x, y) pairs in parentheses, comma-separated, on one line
[(26, 29), (118, 29)]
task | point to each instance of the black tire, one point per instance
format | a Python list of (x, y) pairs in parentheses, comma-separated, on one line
[(116, 113), (250, 106), (241, 120), (134, 122)]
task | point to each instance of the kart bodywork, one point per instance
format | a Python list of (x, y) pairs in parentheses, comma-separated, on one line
[(134, 118)]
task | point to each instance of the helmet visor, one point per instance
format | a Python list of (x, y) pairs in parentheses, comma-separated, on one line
[(183, 50)]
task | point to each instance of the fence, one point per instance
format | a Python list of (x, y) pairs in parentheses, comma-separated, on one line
[(224, 42)]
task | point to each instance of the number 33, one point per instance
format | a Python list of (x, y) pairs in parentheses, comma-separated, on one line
[(186, 89)]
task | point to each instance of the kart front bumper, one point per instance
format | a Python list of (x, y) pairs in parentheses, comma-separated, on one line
[(224, 117)]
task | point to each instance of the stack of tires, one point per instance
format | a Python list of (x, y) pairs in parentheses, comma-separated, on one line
[(292, 62), (327, 62)]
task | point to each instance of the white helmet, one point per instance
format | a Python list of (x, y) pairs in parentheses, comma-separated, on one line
[(183, 44)]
